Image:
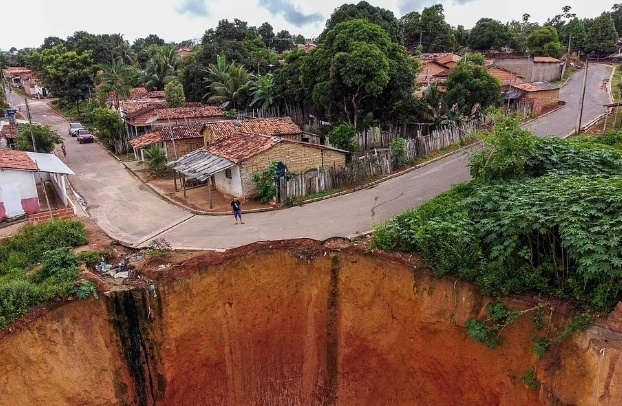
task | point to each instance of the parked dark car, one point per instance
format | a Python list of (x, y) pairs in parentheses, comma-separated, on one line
[(83, 135), (74, 127)]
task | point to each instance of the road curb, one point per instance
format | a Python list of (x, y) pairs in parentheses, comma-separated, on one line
[(260, 210)]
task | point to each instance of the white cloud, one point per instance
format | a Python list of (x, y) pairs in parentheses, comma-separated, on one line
[(139, 18)]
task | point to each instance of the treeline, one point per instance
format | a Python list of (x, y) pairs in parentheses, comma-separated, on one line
[(361, 72)]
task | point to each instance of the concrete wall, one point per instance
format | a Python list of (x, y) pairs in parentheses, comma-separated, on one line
[(298, 158), (532, 72), (546, 72)]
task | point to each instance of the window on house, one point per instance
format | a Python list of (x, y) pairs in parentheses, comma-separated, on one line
[(228, 173)]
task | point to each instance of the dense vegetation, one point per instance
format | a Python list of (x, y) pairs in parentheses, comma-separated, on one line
[(360, 72), (37, 265), (542, 215)]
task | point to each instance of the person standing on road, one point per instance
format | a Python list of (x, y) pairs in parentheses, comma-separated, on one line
[(237, 211), (62, 148)]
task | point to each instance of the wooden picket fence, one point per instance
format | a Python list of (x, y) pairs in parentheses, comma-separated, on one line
[(427, 139), (372, 163), (318, 180)]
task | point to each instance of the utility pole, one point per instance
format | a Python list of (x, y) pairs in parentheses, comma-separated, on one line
[(578, 128), (569, 42), (32, 134)]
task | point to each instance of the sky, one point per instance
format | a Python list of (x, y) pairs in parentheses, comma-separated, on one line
[(29, 23)]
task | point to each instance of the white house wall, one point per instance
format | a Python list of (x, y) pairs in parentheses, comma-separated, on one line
[(26, 182), (228, 186)]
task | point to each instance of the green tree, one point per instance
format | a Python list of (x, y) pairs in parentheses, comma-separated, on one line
[(266, 34), (488, 33), (262, 91), (559, 20), (191, 75), (161, 68), (518, 32), (282, 42), (342, 137), (544, 42), (174, 94), (363, 10), (616, 15), (430, 29), (66, 74), (461, 35), (45, 138), (602, 36), (289, 89), (116, 79), (156, 158), (573, 33), (472, 89), (230, 88), (260, 56), (357, 68), (110, 129)]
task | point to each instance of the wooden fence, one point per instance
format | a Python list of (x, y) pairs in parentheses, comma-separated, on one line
[(375, 162), (430, 140), (318, 180)]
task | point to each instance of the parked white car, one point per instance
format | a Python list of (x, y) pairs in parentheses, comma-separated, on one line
[(74, 127)]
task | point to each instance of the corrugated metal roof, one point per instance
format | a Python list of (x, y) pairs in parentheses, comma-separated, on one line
[(200, 164), (50, 163)]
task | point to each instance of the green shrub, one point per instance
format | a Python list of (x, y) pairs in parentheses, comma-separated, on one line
[(530, 380), (84, 289), (342, 137), (266, 183), (48, 244), (26, 248), (89, 258), (399, 152)]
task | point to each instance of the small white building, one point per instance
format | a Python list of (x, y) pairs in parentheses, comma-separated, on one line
[(24, 175)]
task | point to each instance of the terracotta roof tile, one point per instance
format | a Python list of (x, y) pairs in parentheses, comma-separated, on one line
[(8, 130), (239, 146), (138, 93), (146, 140), (159, 112), (279, 126), (189, 112), (174, 132), (180, 132), (545, 59), (535, 86), (10, 159), (505, 76)]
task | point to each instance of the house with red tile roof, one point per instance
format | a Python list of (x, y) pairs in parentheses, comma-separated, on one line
[(229, 163), (8, 134), (177, 140), (26, 178), (542, 96), (145, 117), (283, 127), (505, 76)]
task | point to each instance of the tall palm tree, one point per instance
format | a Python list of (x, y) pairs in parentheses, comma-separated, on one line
[(116, 79), (161, 68), (218, 72), (262, 91), (231, 86)]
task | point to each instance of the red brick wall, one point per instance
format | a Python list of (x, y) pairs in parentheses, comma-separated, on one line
[(44, 216)]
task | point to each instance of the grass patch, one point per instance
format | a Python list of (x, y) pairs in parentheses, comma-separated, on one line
[(38, 265)]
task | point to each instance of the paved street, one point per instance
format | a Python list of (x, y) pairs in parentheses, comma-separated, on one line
[(563, 121), (127, 210)]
